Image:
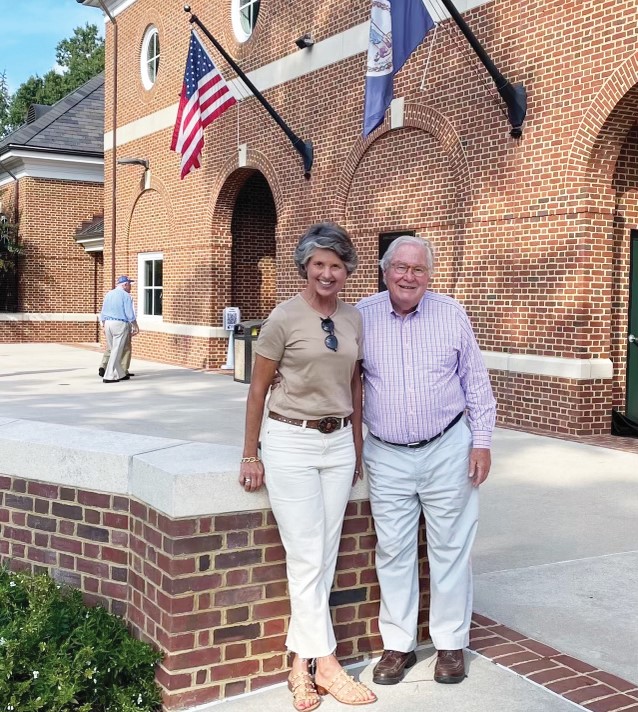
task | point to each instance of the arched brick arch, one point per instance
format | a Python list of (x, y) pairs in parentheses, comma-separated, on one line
[(158, 186), (603, 129), (426, 119), (600, 170), (139, 192), (222, 186)]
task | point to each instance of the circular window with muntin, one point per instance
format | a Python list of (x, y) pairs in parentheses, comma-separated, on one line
[(150, 57), (244, 18)]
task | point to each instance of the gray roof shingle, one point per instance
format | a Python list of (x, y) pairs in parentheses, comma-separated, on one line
[(74, 124)]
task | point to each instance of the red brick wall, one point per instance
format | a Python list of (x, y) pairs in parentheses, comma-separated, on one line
[(80, 537), (209, 591), (56, 274), (552, 405), (14, 332), (531, 234)]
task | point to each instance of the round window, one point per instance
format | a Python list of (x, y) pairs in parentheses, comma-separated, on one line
[(150, 57), (244, 18)]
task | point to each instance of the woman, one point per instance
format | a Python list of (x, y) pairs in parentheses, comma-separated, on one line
[(311, 449)]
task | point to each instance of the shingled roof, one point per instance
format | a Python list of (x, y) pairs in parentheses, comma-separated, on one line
[(91, 234), (75, 124)]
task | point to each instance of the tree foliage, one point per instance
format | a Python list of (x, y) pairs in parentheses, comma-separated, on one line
[(5, 101), (79, 58)]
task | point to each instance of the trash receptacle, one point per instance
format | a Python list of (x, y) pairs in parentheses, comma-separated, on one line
[(244, 336)]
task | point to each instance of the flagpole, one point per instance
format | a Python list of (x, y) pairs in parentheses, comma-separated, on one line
[(304, 148), (514, 95)]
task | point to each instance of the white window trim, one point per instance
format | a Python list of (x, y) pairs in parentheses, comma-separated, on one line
[(240, 33), (143, 257), (151, 31)]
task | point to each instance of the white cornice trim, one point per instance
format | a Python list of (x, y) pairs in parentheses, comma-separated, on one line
[(145, 324), (573, 368), (331, 50), (91, 244), (162, 327), (115, 6), (46, 317), (55, 166)]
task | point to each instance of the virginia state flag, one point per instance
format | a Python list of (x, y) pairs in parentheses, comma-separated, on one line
[(397, 28)]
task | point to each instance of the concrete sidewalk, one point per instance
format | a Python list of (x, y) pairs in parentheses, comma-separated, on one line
[(556, 558)]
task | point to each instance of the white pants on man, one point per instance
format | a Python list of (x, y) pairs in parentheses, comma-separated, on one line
[(433, 479), (117, 334), (309, 478)]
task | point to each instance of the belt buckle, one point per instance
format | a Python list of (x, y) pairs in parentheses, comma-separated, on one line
[(328, 425)]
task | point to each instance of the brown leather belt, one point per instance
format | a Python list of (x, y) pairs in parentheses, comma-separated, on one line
[(324, 425)]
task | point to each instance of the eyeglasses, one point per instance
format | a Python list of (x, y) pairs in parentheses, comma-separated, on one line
[(331, 340), (402, 268)]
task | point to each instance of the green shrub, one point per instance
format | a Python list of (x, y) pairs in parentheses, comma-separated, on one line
[(59, 655)]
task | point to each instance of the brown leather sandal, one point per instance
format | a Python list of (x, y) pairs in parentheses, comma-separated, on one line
[(345, 689), (304, 692)]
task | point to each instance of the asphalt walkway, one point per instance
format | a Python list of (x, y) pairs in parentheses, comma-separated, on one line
[(556, 560)]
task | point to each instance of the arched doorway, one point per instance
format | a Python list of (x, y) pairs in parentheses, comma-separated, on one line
[(253, 251), (624, 346), (603, 172)]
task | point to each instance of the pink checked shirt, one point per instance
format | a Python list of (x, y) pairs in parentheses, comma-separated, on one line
[(421, 371)]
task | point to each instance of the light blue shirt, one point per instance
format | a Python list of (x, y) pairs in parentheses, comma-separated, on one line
[(117, 305)]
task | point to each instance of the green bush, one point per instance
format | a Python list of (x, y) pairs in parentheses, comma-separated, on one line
[(59, 655)]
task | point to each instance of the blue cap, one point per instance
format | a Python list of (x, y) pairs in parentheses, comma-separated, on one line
[(124, 279)]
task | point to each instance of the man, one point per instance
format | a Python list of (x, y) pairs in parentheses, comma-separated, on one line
[(118, 317), (422, 370)]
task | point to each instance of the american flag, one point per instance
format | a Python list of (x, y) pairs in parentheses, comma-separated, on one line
[(204, 96)]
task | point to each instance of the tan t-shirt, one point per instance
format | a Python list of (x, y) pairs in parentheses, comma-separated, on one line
[(315, 381)]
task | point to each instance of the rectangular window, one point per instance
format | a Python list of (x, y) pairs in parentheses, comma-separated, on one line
[(385, 240), (151, 283)]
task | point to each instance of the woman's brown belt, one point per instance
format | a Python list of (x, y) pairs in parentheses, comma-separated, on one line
[(324, 425)]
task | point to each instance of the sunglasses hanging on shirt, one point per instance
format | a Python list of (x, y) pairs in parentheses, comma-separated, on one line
[(331, 340)]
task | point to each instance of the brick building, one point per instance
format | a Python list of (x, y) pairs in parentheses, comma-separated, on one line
[(534, 236), (51, 189)]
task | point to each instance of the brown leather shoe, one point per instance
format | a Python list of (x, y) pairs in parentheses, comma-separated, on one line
[(450, 667), (392, 666)]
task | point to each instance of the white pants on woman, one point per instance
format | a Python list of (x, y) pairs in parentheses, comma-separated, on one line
[(309, 478), (433, 479)]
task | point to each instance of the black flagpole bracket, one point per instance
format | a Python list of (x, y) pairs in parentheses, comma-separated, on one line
[(304, 148), (514, 95)]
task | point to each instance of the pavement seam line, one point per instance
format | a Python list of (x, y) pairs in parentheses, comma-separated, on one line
[(558, 563)]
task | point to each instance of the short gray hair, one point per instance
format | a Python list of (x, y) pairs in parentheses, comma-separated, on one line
[(386, 260), (325, 236)]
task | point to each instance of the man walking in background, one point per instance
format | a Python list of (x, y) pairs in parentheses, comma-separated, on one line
[(422, 372), (118, 318)]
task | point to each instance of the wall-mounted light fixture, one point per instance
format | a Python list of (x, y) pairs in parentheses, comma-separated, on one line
[(138, 162), (133, 162), (304, 41)]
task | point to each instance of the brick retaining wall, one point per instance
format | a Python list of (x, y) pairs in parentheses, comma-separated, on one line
[(207, 590)]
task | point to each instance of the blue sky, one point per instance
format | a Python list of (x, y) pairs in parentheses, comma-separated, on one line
[(30, 31)]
